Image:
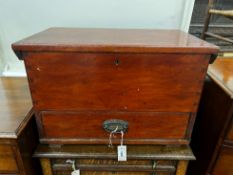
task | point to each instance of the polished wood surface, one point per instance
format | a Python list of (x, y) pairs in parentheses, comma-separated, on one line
[(138, 152), (182, 167), (144, 163), (18, 131), (114, 40), (139, 82), (15, 103), (113, 71), (99, 159), (109, 167), (114, 83), (144, 127), (46, 166), (222, 73), (224, 164), (7, 160), (212, 134)]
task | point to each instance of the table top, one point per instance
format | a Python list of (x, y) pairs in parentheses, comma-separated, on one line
[(114, 40), (15, 106), (221, 72)]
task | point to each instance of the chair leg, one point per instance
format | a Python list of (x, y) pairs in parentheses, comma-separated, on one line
[(207, 19)]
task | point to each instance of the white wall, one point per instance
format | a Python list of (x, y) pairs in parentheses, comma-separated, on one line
[(21, 18)]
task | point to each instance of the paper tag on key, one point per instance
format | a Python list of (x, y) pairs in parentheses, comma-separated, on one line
[(122, 153), (75, 172)]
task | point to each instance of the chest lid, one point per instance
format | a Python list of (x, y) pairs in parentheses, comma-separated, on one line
[(113, 40)]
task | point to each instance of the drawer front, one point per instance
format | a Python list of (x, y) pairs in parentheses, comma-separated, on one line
[(108, 162), (87, 127), (95, 166), (224, 164), (7, 160), (133, 82)]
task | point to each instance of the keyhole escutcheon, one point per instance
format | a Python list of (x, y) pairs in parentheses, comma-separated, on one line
[(117, 62)]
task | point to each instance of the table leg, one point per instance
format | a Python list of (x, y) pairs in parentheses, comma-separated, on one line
[(46, 166), (182, 167)]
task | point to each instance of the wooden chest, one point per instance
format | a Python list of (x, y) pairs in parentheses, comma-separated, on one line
[(86, 82)]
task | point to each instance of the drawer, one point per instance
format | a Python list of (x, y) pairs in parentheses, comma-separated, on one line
[(108, 162), (100, 159), (100, 166), (87, 127), (7, 160), (105, 81)]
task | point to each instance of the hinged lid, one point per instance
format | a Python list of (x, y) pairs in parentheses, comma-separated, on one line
[(113, 40)]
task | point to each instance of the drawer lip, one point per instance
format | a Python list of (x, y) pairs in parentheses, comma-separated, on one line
[(147, 152), (116, 141), (155, 127)]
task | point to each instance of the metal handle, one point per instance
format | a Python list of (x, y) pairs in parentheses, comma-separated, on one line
[(115, 125)]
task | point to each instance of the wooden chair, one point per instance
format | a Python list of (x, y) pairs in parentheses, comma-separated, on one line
[(212, 11)]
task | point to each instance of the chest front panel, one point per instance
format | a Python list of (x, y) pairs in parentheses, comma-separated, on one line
[(124, 82), (154, 93)]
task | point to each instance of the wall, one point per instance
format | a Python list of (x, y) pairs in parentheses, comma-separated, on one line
[(21, 18)]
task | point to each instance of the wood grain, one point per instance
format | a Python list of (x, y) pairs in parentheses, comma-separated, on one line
[(46, 166), (213, 127), (8, 162), (135, 152), (141, 82), (18, 132), (115, 70), (15, 104), (209, 128), (182, 167), (116, 162), (99, 159), (87, 126), (115, 168), (224, 163), (114, 40), (222, 74)]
